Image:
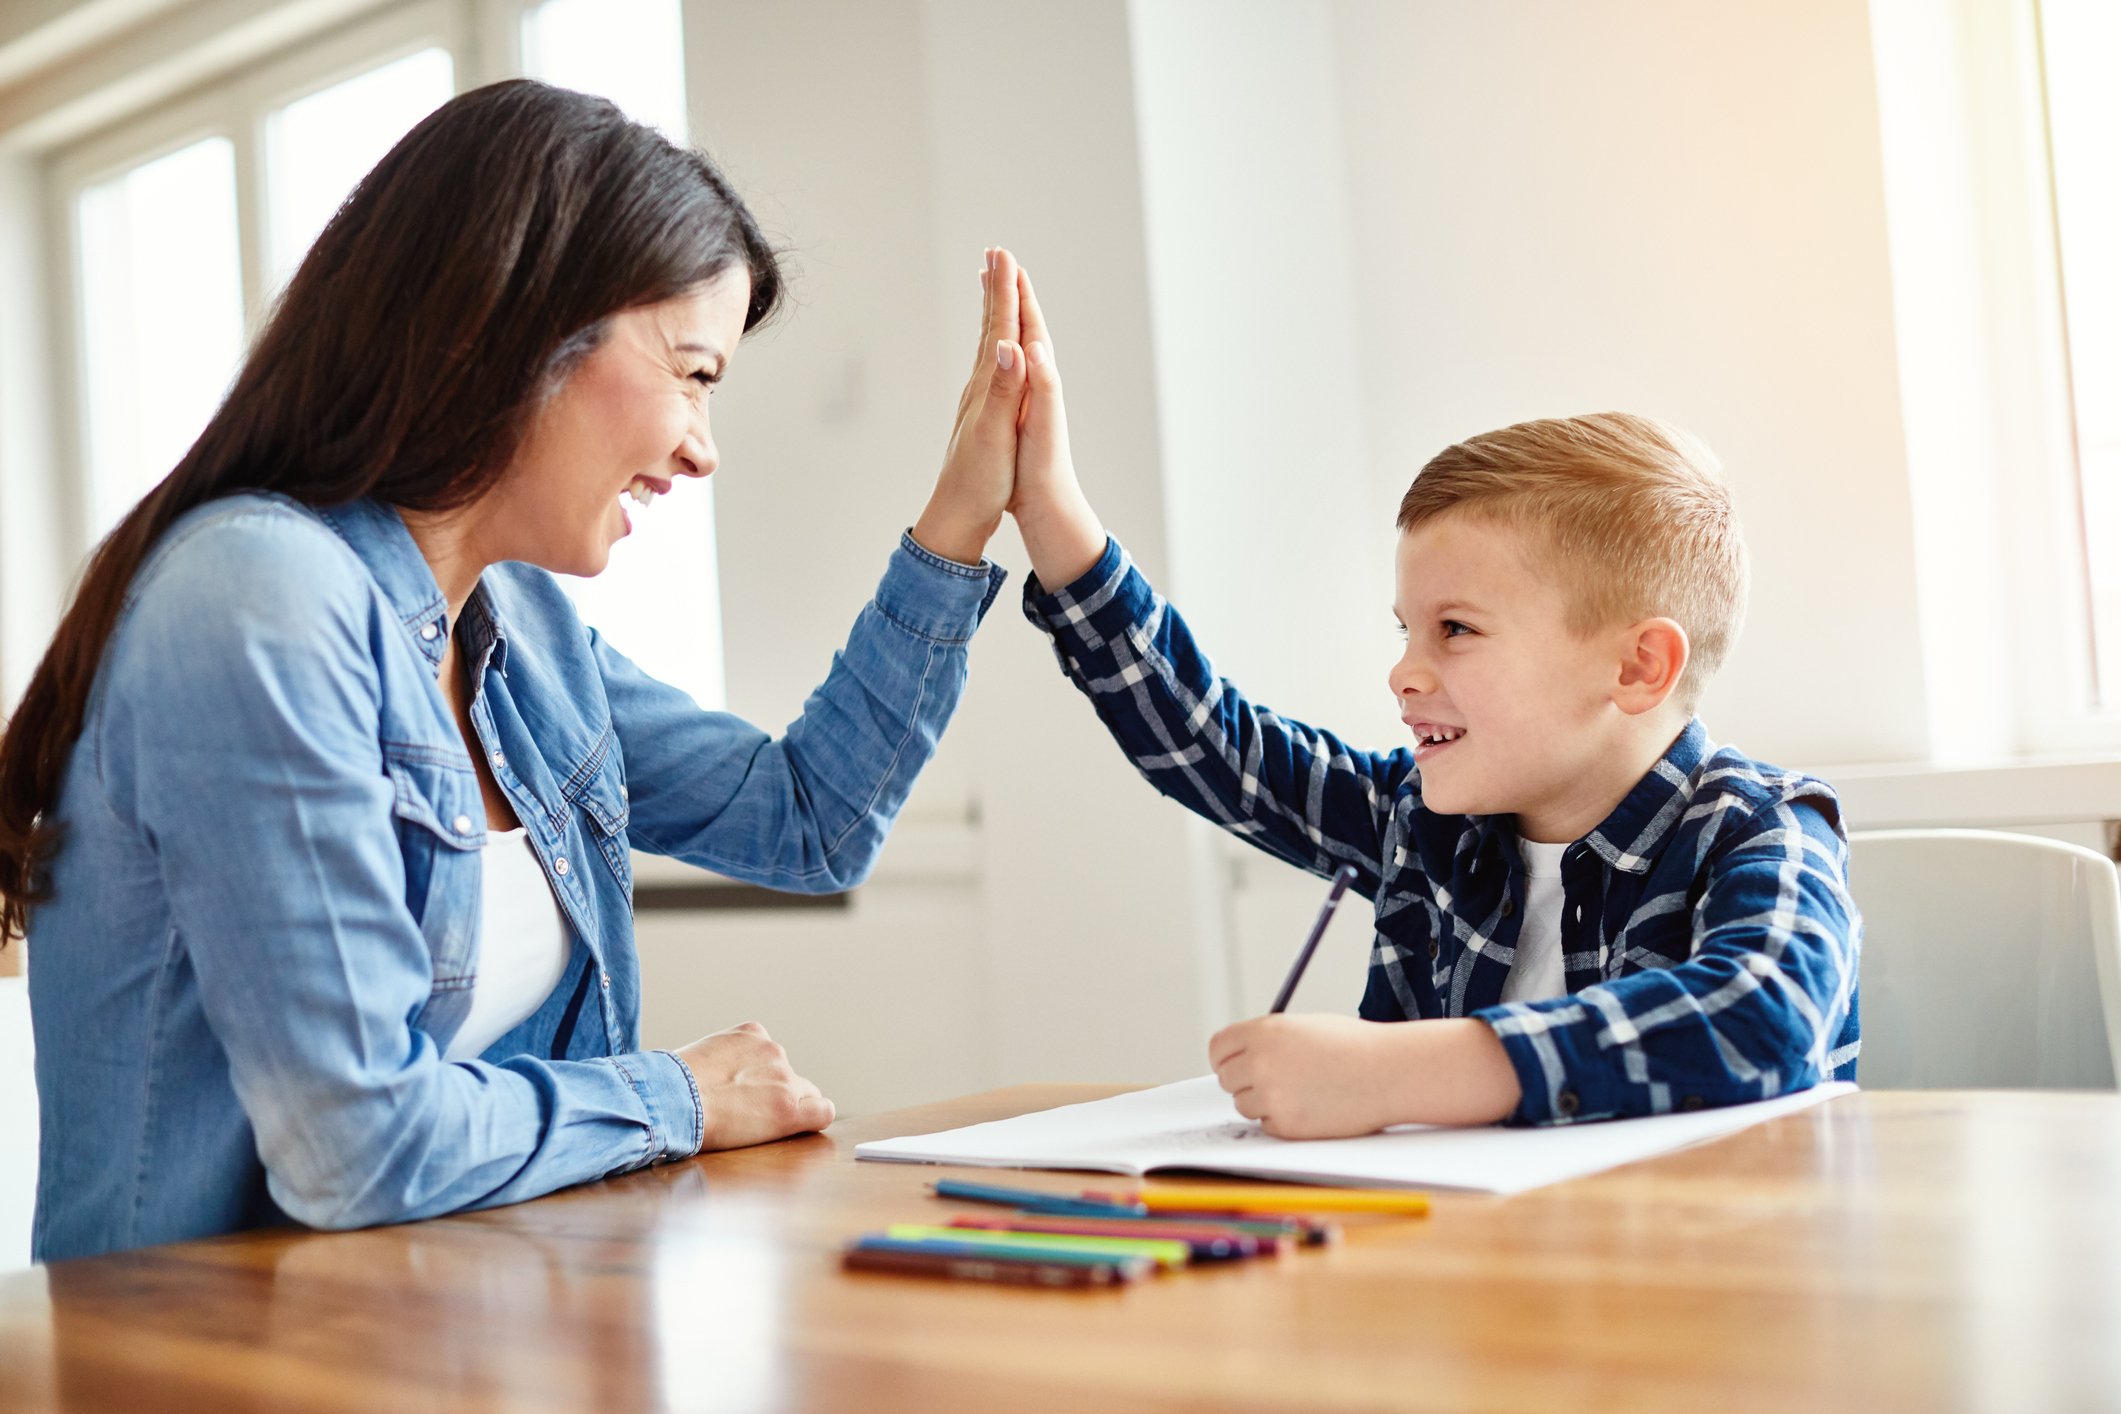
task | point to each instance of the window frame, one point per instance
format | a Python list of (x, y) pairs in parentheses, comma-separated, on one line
[(238, 107)]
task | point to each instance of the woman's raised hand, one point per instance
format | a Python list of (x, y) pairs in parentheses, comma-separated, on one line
[(1061, 532), (979, 469)]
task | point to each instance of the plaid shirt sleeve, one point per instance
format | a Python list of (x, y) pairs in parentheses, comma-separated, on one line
[(1296, 792), (1764, 1006)]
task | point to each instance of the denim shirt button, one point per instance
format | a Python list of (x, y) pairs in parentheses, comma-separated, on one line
[(428, 632), (623, 795), (607, 981), (559, 866), (499, 760), (462, 824)]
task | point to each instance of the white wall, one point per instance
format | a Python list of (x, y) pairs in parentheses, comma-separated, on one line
[(1669, 208), (878, 141), (1281, 564)]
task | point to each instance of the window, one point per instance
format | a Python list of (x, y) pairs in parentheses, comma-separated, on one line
[(161, 317), (321, 146), (629, 51), (187, 221), (1991, 134), (2081, 42)]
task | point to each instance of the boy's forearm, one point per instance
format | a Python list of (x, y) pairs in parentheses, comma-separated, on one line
[(1453, 1071), (1062, 534)]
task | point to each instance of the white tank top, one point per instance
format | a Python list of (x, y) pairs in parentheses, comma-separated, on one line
[(523, 944)]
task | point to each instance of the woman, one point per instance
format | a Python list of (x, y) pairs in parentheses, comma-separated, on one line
[(318, 811)]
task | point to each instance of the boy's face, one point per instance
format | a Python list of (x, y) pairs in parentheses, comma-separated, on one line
[(1512, 712)]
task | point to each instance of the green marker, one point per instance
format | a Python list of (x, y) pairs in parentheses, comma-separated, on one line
[(1169, 1255)]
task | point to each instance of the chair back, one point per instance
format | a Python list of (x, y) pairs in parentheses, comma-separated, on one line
[(18, 1124), (1989, 960)]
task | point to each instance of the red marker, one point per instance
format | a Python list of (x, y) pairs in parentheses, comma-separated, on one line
[(1210, 1242)]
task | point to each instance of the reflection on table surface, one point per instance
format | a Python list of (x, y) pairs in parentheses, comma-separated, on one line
[(1885, 1251)]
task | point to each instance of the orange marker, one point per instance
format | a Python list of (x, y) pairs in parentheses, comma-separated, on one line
[(1279, 1198)]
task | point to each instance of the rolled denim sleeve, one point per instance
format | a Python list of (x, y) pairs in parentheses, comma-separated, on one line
[(252, 766), (1764, 1007), (808, 811)]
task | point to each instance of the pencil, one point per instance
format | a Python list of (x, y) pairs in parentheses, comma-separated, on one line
[(1342, 877)]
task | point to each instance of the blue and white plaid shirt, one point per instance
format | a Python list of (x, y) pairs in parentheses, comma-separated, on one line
[(1709, 936)]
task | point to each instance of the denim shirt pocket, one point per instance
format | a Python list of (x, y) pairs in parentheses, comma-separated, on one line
[(441, 827), (601, 795)]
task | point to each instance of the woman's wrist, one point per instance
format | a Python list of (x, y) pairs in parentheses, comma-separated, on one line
[(953, 536)]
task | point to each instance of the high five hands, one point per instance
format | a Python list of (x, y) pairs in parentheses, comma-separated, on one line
[(1009, 448)]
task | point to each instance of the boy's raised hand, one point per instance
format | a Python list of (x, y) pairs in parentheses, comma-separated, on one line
[(1332, 1077), (979, 469), (1061, 532)]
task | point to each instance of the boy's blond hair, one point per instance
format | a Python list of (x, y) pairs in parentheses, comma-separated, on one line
[(1635, 516)]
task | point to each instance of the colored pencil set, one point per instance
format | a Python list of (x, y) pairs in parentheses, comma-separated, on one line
[(1112, 1239)]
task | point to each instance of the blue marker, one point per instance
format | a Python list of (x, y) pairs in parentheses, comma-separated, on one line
[(1034, 1200)]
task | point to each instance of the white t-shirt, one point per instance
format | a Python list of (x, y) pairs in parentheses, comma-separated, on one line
[(523, 944), (1538, 972)]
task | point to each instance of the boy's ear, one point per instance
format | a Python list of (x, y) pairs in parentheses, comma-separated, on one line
[(1654, 653)]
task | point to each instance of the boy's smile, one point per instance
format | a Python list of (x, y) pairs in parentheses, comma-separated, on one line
[(1512, 711)]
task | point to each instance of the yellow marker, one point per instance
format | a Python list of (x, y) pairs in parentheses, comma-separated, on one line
[(1170, 1255), (1282, 1198)]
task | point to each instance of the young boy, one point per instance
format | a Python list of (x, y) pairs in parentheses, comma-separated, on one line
[(1584, 907)]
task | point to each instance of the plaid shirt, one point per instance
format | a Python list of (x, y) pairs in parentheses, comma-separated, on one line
[(1710, 941)]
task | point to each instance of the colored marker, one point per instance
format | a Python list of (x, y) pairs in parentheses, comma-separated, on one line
[(1165, 1253), (1280, 1198), (937, 1264), (1210, 1242), (1125, 1268), (1035, 1200), (1311, 1232), (1342, 877)]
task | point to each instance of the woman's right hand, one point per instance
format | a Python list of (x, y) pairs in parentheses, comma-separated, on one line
[(979, 469), (748, 1091)]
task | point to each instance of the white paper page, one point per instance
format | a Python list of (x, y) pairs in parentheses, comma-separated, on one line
[(1193, 1124)]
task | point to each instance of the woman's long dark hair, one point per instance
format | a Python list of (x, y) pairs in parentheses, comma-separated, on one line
[(459, 284)]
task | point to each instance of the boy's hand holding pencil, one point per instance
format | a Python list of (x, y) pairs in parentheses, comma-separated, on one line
[(1330, 1077)]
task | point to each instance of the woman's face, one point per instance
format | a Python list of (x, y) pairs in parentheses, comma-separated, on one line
[(627, 424)]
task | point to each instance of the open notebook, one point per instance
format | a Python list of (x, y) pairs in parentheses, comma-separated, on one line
[(1194, 1125)]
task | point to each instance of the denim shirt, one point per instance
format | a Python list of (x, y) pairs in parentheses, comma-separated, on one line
[(266, 924)]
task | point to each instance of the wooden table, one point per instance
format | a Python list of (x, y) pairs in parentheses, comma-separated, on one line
[(1917, 1251)]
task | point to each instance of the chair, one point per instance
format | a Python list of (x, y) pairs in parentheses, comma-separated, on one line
[(1989, 960), (18, 1124)]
